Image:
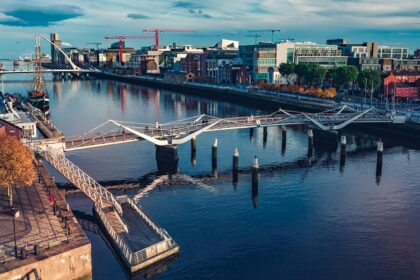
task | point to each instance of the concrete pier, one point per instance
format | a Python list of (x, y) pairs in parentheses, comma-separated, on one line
[(167, 159)]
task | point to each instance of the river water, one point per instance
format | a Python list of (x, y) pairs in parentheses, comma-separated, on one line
[(309, 218)]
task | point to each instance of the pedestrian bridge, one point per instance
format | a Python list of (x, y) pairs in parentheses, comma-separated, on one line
[(114, 132)]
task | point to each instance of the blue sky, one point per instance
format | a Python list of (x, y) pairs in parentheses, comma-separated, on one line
[(81, 21)]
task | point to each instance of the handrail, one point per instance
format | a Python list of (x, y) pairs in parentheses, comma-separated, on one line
[(82, 180)]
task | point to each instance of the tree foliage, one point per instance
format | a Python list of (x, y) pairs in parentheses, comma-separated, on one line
[(369, 79), (344, 75), (287, 70), (300, 71), (16, 165)]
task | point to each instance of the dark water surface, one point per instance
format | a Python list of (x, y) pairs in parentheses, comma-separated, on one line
[(307, 220)]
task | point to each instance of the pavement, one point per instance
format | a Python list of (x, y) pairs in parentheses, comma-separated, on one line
[(37, 223)]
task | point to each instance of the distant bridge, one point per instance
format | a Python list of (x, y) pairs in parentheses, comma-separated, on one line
[(74, 68), (29, 71)]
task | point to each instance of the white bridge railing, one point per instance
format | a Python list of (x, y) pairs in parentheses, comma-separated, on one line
[(80, 179)]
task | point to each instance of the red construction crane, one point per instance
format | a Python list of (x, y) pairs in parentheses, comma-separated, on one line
[(157, 31), (121, 38)]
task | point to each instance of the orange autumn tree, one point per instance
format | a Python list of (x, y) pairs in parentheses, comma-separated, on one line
[(16, 166)]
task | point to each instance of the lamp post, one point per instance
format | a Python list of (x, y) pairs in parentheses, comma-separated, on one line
[(14, 213)]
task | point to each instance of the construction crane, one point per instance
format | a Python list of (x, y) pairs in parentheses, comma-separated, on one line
[(256, 36), (96, 43), (157, 31), (267, 30), (121, 39)]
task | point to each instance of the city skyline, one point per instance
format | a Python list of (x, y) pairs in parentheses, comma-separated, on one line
[(79, 22)]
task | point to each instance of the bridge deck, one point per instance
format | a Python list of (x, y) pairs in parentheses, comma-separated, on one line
[(140, 235)]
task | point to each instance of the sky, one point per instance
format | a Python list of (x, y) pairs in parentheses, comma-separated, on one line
[(81, 21)]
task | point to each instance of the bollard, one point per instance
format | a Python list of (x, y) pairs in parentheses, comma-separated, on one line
[(193, 151), (214, 154), (283, 131), (36, 250), (343, 143), (310, 142), (23, 253), (255, 177), (193, 143), (235, 168), (235, 160), (379, 157), (255, 171)]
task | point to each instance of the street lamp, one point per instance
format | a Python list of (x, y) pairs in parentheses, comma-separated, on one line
[(15, 214)]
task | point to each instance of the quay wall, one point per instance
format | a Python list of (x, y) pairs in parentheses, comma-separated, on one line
[(72, 264), (224, 94)]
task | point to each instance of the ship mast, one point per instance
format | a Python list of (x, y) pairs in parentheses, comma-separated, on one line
[(38, 82)]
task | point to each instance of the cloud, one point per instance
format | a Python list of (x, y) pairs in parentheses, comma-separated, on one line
[(39, 16), (137, 16), (199, 13), (186, 5)]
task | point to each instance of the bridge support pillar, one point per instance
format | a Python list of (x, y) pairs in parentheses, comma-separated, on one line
[(167, 159), (251, 134)]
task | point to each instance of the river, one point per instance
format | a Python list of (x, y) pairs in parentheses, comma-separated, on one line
[(309, 218)]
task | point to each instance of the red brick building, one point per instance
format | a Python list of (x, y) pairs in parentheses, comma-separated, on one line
[(191, 64), (403, 84), (10, 129)]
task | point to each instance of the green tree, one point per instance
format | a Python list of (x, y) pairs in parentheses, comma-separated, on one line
[(301, 70), (344, 75), (16, 166), (287, 70), (317, 74), (369, 79), (313, 74)]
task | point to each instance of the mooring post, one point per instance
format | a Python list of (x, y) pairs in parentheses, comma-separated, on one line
[(310, 142), (235, 168), (193, 151), (379, 157), (283, 139), (255, 171), (214, 154), (255, 178), (343, 143), (251, 134), (264, 136)]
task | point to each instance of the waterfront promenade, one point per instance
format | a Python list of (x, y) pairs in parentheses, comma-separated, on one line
[(49, 241)]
